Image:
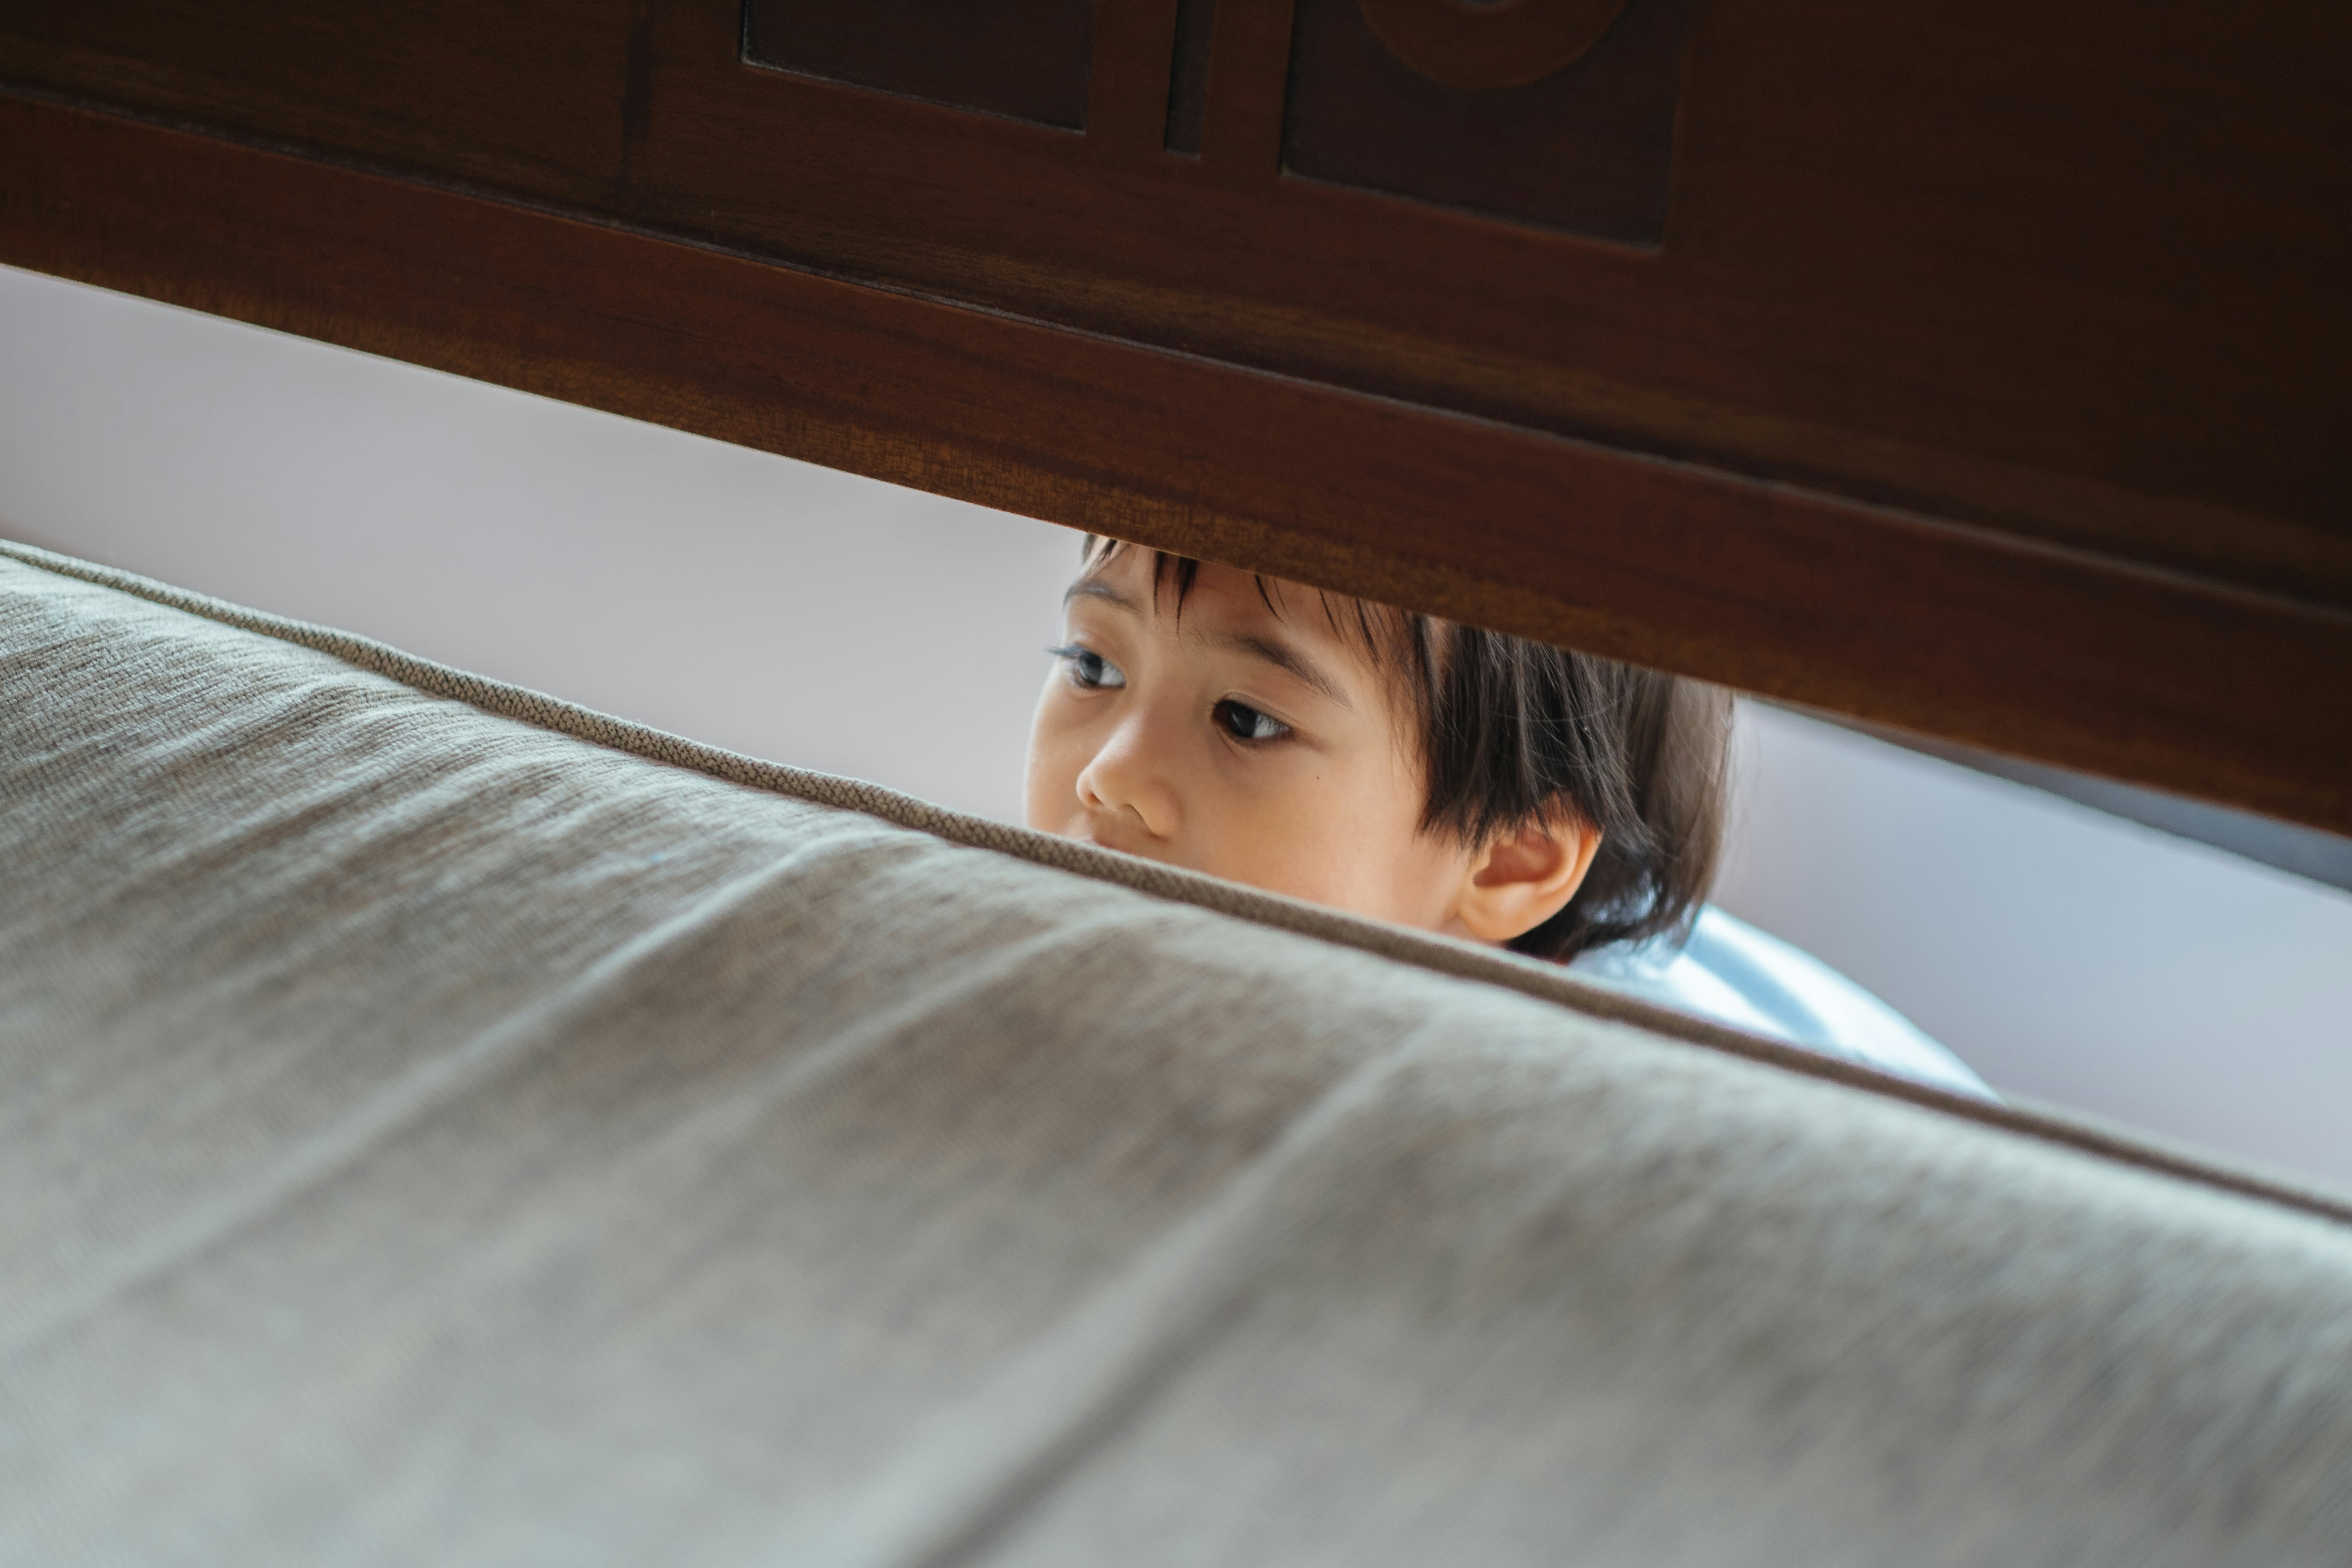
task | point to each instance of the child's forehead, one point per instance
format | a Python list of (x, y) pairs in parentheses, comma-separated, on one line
[(1224, 599)]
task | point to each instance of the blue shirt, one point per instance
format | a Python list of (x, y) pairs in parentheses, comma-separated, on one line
[(1733, 973)]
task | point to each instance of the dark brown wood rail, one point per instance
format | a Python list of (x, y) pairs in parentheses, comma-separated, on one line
[(1976, 369)]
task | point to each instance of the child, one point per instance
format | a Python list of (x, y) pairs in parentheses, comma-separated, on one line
[(1458, 780)]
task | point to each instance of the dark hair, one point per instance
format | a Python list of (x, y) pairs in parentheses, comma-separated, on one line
[(1513, 732)]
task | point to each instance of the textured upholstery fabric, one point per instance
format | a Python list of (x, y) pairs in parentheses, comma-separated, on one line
[(436, 1125)]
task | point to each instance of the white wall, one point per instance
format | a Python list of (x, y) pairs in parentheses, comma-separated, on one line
[(804, 615), (2067, 955), (745, 600)]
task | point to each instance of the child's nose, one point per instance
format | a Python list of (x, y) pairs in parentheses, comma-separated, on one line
[(1127, 781)]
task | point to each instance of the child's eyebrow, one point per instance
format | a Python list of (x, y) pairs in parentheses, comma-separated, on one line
[(1287, 659), (1096, 588)]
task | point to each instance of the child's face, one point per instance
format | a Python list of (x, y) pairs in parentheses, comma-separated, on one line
[(1257, 744)]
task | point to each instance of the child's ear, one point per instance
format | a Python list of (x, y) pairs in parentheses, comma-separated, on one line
[(1525, 877)]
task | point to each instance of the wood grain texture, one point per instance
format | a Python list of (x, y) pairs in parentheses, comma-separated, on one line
[(2066, 657), (2070, 275), (1584, 148), (2064, 276), (1188, 75), (527, 95), (1026, 59), (1478, 45)]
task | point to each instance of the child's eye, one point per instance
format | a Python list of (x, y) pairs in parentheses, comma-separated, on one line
[(1089, 671), (1243, 723)]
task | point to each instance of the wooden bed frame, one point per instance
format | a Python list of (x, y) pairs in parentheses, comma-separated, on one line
[(1978, 370)]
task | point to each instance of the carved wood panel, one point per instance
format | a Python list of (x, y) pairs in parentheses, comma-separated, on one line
[(1188, 74), (1558, 113), (1025, 59)]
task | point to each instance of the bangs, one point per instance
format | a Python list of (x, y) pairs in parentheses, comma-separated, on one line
[(1400, 643)]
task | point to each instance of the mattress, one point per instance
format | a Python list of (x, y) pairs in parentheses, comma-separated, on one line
[(446, 1125)]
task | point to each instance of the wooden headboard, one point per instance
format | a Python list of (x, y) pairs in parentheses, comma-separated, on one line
[(1976, 367)]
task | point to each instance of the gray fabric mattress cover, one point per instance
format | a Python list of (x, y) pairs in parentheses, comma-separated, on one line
[(438, 1125)]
